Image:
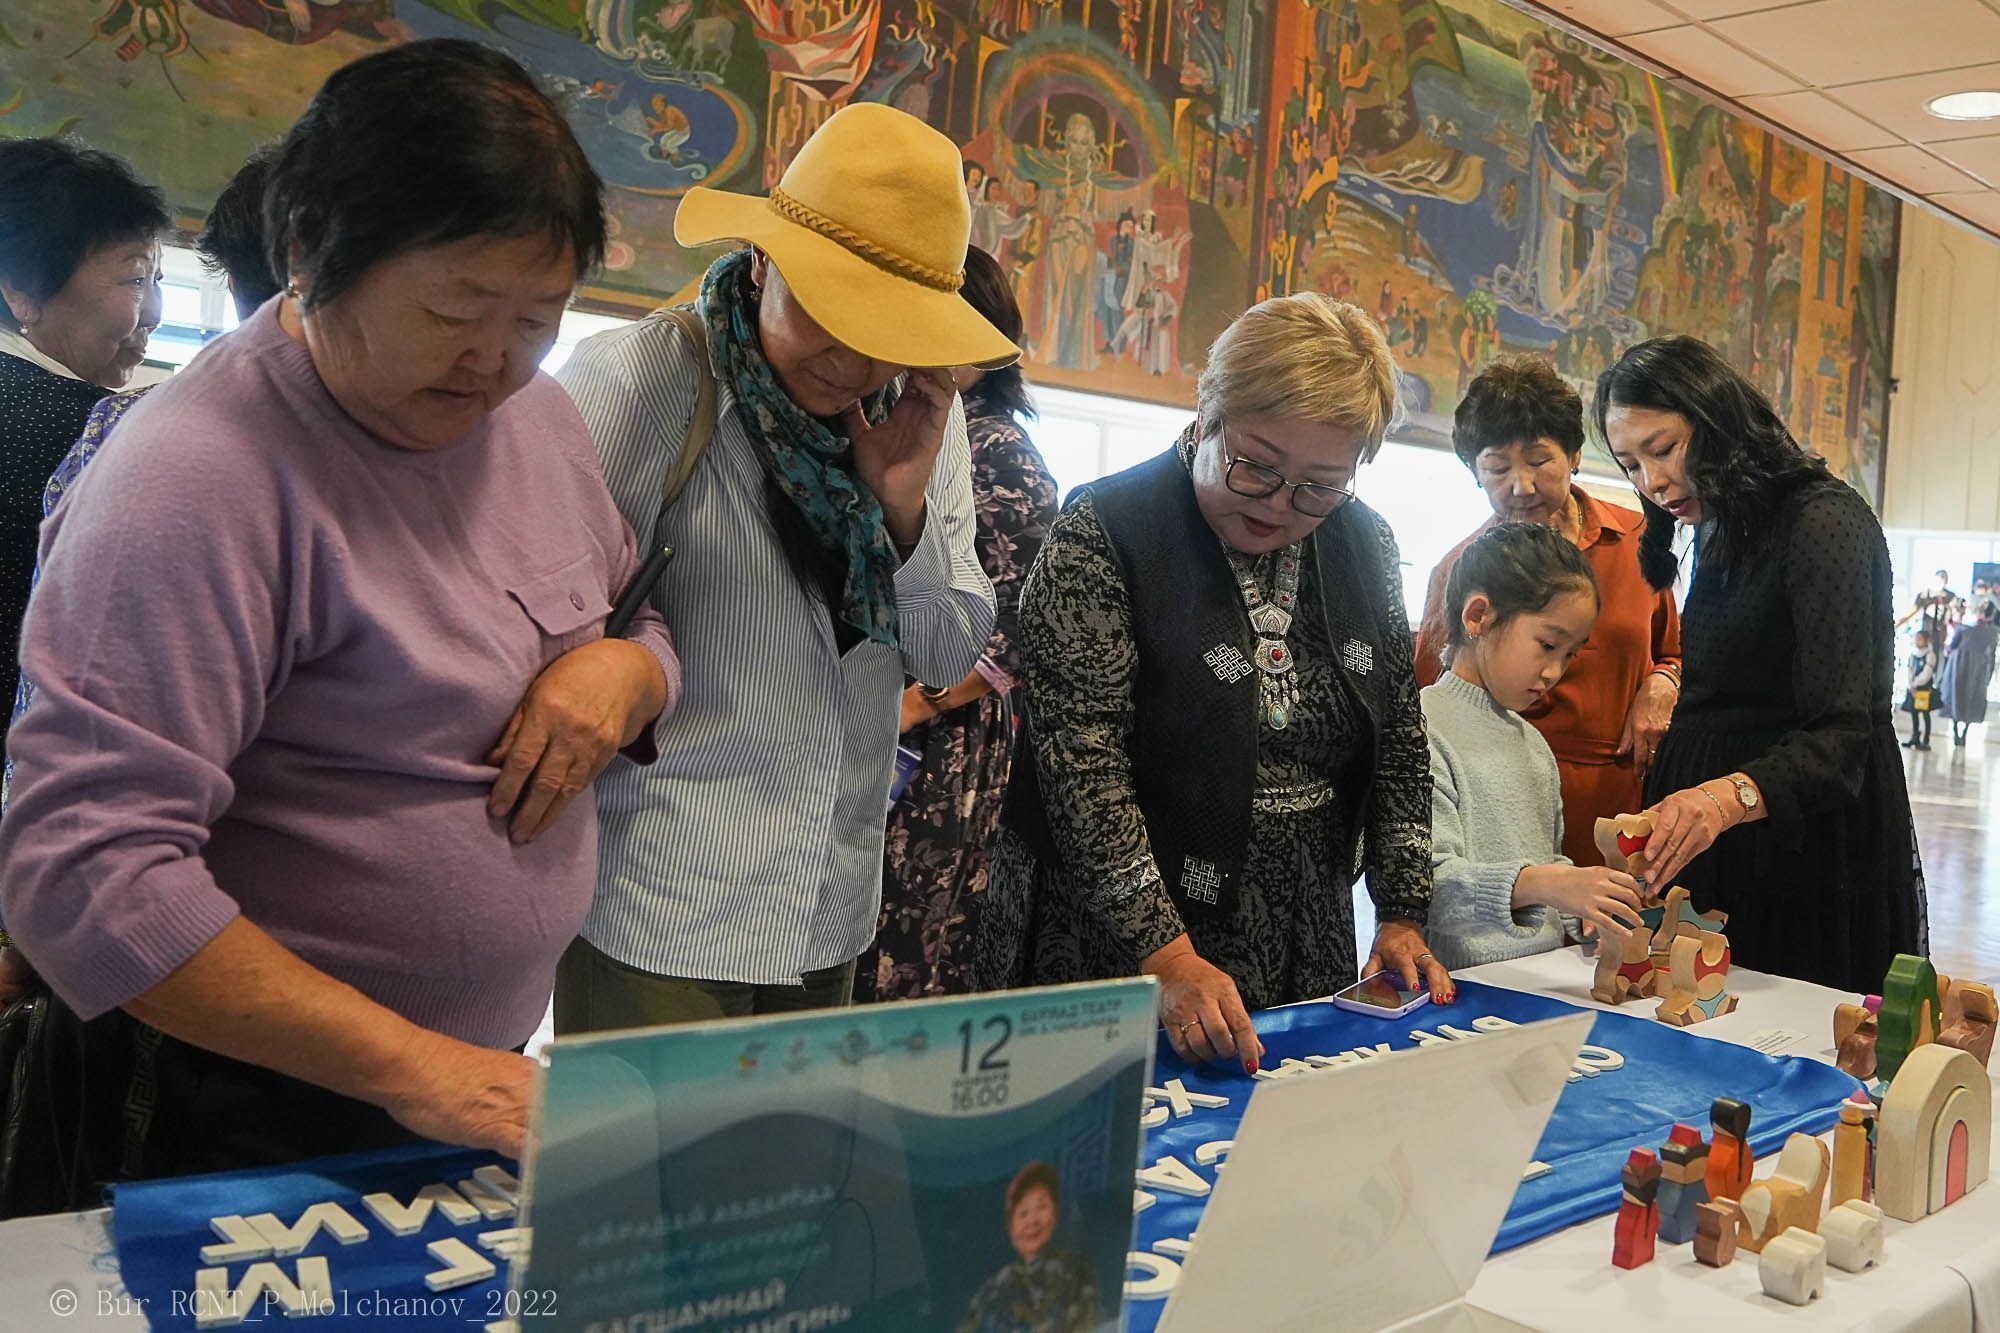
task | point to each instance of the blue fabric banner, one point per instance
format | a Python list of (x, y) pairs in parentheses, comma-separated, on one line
[(1635, 1078), (375, 1283)]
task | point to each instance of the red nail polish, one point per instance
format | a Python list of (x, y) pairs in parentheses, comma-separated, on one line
[(1252, 1066)]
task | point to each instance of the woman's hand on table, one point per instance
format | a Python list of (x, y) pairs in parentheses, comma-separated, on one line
[(1646, 721), (16, 977), (1606, 901), (1401, 952), (455, 1092), (1686, 823), (580, 711), (1201, 1008)]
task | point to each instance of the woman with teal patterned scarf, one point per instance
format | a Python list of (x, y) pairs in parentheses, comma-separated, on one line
[(823, 553)]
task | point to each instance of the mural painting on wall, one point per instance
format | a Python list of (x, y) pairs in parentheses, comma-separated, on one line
[(1143, 169)]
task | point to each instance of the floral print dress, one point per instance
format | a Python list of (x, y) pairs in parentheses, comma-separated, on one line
[(940, 831)]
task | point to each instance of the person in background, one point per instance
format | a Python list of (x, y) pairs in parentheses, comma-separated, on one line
[(1222, 706), (1046, 1289), (825, 555), (1520, 604), (1519, 431), (1982, 598), (1919, 699), (231, 245), (321, 677), (941, 828), (80, 277), (1936, 604), (1778, 794), (1968, 671)]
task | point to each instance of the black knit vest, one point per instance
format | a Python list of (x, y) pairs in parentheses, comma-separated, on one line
[(1194, 734)]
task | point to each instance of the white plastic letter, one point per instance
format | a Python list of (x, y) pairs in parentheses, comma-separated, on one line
[(408, 1219), (1161, 1273), (217, 1306), (293, 1239), (1182, 1103), (1174, 1176), (491, 1203), (509, 1244), (242, 1241), (462, 1264)]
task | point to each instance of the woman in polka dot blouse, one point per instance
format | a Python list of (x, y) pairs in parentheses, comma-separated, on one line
[(1781, 773)]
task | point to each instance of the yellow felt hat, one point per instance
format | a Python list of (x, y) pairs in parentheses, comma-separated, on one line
[(869, 227)]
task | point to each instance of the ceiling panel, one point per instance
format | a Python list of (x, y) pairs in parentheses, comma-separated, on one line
[(1717, 9), (1817, 117), (1832, 42), (1981, 207), (1898, 104), (1981, 157), (1616, 18), (1712, 62), (1914, 169), (1848, 77)]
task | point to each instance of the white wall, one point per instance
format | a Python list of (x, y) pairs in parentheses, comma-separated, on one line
[(1944, 418)]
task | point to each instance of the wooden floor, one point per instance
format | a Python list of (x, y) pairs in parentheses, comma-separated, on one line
[(1955, 796)]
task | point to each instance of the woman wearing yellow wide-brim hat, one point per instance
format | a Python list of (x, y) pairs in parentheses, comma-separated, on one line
[(824, 552)]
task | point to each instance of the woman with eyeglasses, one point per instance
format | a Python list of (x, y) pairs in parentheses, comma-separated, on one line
[(1223, 708)]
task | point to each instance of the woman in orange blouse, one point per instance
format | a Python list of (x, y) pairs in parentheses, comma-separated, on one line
[(1520, 430)]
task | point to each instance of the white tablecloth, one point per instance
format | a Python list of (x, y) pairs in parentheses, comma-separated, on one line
[(1942, 1274), (1939, 1274)]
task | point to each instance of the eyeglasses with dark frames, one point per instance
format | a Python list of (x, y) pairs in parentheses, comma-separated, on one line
[(1249, 478)]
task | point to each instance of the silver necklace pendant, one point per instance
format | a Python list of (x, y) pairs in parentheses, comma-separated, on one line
[(1271, 620)]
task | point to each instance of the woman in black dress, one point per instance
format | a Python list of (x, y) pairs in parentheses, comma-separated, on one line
[(1782, 762)]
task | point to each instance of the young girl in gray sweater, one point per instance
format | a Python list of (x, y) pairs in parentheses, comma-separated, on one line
[(1519, 605)]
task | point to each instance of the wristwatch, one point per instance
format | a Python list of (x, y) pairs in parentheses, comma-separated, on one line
[(937, 699), (1746, 792)]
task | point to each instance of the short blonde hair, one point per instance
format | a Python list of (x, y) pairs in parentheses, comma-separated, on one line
[(1303, 357)]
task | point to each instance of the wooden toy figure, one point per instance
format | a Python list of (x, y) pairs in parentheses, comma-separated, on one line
[(1854, 1151), (1729, 1156), (1853, 1234), (1639, 1213), (1790, 1199), (1683, 1183), (1909, 1015), (1969, 1016), (1622, 842), (1934, 1133), (1696, 988), (1675, 918), (1715, 1225), (1855, 1030), (1794, 1267), (1626, 972)]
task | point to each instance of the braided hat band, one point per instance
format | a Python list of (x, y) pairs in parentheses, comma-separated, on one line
[(793, 211)]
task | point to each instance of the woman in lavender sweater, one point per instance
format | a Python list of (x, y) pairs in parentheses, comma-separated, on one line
[(318, 646)]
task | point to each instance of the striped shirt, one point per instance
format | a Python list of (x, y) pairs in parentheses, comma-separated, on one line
[(752, 851)]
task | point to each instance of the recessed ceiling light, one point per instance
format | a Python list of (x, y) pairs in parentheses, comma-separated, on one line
[(1981, 105)]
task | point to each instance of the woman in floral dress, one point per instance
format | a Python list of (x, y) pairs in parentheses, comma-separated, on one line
[(940, 829)]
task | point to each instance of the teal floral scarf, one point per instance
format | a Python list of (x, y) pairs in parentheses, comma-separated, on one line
[(811, 465)]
